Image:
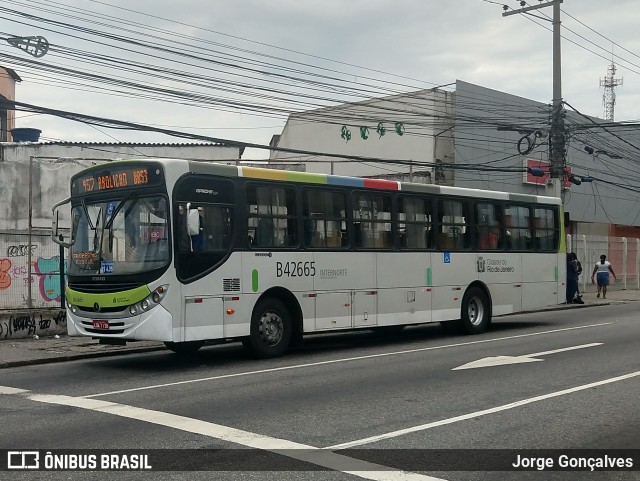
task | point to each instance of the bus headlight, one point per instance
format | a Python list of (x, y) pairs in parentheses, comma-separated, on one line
[(71, 307), (150, 301)]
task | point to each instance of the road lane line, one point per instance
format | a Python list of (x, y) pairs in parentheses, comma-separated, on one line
[(302, 452), (564, 349), (484, 412), (336, 361), (11, 390)]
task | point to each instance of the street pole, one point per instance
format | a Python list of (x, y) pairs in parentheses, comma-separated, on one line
[(558, 146), (29, 256), (557, 136)]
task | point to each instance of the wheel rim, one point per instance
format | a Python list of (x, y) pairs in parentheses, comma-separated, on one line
[(271, 328), (475, 311)]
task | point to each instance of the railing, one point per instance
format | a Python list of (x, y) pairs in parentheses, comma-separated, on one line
[(622, 252)]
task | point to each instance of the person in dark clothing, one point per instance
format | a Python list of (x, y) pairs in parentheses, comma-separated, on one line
[(578, 297), (572, 278)]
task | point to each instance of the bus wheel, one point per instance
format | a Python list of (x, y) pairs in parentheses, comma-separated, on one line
[(476, 314), (271, 329), (184, 348)]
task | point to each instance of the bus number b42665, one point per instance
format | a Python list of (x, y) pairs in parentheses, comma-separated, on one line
[(295, 269)]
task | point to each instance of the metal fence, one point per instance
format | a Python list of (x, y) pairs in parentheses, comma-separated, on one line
[(30, 271), (622, 252)]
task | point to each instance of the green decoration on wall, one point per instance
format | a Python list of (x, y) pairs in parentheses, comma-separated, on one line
[(399, 128), (346, 133), (381, 130), (364, 132)]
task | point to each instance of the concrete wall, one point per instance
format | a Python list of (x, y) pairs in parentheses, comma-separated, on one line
[(421, 115), (53, 165), (19, 324)]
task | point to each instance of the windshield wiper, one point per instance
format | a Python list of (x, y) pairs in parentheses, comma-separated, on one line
[(95, 230)]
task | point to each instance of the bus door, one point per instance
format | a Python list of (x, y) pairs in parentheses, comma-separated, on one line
[(203, 241)]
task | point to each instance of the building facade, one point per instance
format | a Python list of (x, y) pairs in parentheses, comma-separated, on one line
[(477, 138), (8, 80), (51, 165)]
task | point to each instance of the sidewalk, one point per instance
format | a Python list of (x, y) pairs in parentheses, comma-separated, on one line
[(29, 351)]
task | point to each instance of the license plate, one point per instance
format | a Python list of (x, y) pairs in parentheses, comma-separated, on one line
[(100, 324)]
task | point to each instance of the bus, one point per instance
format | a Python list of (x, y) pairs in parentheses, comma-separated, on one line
[(191, 252)]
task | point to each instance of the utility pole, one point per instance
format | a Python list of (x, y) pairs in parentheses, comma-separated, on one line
[(557, 150)]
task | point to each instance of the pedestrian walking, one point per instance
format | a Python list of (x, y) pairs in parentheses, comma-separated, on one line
[(600, 275)]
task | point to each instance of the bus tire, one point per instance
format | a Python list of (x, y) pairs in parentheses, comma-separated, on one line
[(476, 312), (271, 329), (184, 348)]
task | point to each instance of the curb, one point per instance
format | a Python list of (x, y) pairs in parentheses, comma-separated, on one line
[(137, 350), (75, 357), (562, 307)]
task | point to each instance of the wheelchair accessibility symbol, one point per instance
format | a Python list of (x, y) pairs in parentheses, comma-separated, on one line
[(447, 258)]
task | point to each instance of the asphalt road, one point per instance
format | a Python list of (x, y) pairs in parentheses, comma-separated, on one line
[(559, 380)]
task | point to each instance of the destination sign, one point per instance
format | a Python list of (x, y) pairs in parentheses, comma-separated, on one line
[(126, 177)]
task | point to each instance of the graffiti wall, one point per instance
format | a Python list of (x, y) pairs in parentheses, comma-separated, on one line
[(18, 282), (24, 324)]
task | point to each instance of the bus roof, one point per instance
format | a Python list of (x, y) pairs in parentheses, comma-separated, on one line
[(226, 170)]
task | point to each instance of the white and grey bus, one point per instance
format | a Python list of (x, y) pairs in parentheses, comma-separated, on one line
[(189, 252)]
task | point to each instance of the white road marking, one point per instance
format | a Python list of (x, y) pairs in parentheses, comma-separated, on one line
[(336, 361), (484, 412), (302, 452), (503, 360), (11, 390)]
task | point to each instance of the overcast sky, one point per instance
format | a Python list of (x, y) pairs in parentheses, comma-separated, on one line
[(394, 46)]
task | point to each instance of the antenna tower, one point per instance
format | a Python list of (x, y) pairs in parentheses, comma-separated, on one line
[(609, 97)]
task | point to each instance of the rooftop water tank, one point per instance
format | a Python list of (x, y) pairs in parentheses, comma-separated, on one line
[(25, 135)]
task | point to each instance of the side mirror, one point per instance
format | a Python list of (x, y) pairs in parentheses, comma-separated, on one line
[(55, 225)]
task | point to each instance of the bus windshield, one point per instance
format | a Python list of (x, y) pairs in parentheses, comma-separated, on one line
[(123, 236)]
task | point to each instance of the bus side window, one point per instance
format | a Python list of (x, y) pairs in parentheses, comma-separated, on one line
[(264, 232), (518, 227), (489, 228), (455, 232), (272, 213)]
